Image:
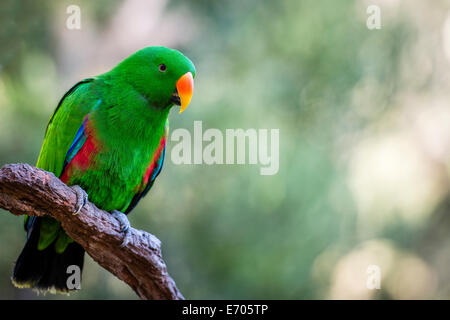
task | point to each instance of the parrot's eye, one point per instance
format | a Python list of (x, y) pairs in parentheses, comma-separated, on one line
[(162, 67)]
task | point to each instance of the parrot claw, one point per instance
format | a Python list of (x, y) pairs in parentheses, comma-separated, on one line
[(82, 198), (124, 226)]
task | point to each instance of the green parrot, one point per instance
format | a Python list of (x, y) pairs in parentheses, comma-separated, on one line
[(106, 139)]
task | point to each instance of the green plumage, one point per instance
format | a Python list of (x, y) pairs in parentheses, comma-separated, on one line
[(122, 116)]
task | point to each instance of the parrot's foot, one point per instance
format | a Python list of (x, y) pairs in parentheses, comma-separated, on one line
[(82, 198), (124, 226)]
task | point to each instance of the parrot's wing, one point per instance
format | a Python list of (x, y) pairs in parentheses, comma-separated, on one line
[(61, 132), (152, 172), (63, 127)]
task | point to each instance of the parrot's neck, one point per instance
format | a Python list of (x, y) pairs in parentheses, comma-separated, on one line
[(132, 127), (125, 118)]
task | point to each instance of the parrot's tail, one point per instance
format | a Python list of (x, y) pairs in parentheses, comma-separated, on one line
[(47, 270)]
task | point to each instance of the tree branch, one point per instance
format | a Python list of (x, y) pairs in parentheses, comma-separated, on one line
[(27, 190)]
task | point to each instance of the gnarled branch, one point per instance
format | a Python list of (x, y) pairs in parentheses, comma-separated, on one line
[(28, 190)]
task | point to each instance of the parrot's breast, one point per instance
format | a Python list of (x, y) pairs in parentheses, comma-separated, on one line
[(112, 172)]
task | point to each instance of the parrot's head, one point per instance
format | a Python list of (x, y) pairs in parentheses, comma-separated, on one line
[(164, 76)]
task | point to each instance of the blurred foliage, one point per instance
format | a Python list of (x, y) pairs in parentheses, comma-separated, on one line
[(349, 105)]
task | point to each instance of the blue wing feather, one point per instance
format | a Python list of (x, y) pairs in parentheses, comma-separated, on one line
[(80, 139), (78, 142)]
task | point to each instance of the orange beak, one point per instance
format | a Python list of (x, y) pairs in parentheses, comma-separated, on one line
[(185, 88)]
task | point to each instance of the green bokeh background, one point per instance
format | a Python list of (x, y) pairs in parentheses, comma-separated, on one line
[(364, 122)]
